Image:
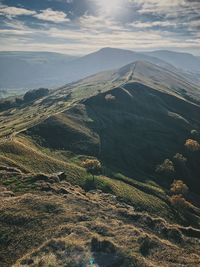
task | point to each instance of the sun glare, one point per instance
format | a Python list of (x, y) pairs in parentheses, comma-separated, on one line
[(108, 7)]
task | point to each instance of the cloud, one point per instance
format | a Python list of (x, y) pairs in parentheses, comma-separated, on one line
[(136, 25), (10, 11), (91, 33), (13, 32), (46, 15), (178, 16), (169, 8), (143, 25), (52, 16), (82, 42)]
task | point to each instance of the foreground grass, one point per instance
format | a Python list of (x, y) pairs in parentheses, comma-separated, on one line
[(73, 226)]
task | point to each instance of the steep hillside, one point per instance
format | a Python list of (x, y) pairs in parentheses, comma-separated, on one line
[(132, 133)]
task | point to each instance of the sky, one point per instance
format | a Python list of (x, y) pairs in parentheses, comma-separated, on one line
[(78, 27)]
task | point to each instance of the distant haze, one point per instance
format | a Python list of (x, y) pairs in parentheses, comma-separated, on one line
[(27, 70)]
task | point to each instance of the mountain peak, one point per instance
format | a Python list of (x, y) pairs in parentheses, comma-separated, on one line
[(115, 51), (107, 48)]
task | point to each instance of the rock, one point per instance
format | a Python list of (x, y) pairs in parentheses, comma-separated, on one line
[(54, 179), (61, 175)]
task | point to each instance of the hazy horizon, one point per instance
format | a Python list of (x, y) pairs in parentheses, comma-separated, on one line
[(93, 51)]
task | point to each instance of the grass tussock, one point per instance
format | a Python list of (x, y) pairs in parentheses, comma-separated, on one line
[(56, 229)]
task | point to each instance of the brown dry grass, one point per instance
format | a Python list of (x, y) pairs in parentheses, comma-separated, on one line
[(69, 228)]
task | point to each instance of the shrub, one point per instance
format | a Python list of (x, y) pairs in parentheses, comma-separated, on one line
[(192, 145), (110, 97), (166, 167), (19, 101), (93, 166), (180, 158), (35, 94), (6, 104), (194, 133), (179, 202), (179, 188)]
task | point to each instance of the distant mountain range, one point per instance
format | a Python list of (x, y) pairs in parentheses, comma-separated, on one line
[(184, 61), (27, 70)]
